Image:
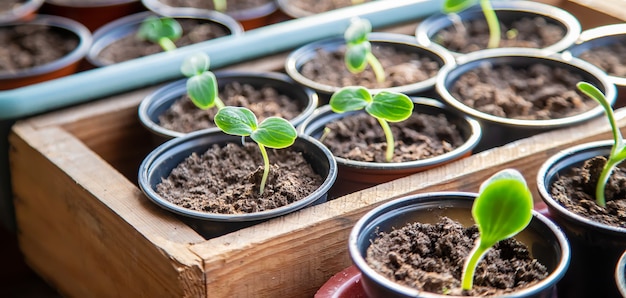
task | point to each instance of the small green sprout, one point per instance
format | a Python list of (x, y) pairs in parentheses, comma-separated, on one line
[(618, 151), (385, 106), (502, 209), (453, 6), (164, 31), (219, 5), (359, 50), (273, 132), (201, 83)]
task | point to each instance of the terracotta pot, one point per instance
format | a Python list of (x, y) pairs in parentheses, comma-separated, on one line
[(507, 12), (544, 239), (22, 12), (596, 247), (357, 175), (620, 274), (400, 42), (160, 162), (497, 130), (93, 13), (603, 37), (249, 18), (64, 66)]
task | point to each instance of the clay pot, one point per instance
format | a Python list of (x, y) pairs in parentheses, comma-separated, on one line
[(248, 18), (93, 13), (357, 175), (544, 239), (401, 42), (23, 12), (160, 100), (596, 247), (507, 12), (160, 162), (498, 131), (120, 28), (64, 66)]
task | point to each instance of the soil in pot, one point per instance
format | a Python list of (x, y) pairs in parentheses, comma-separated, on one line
[(360, 137), (430, 257), (610, 58), (321, 6), (130, 47), (231, 5), (8, 5), (526, 32), (536, 92), (226, 180), (184, 116), (401, 68), (29, 45)]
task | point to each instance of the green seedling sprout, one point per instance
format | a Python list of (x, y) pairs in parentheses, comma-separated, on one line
[(201, 83), (359, 50), (618, 151), (454, 6), (273, 132), (219, 5), (385, 106), (502, 209), (164, 31)]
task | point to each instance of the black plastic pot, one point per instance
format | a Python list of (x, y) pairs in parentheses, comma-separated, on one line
[(498, 131), (357, 175), (160, 162), (596, 247), (160, 100), (22, 12), (545, 240), (507, 12), (401, 42)]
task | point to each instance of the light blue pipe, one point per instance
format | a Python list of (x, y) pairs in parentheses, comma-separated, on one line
[(158, 68)]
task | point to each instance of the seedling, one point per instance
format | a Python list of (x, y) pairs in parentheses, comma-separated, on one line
[(502, 209), (201, 83), (273, 132), (454, 6), (618, 151), (359, 50), (164, 31), (219, 5), (385, 106)]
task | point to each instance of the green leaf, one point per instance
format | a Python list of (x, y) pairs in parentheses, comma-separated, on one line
[(275, 132), (236, 121), (351, 98), (358, 31), (203, 90), (451, 6), (154, 28), (356, 56), (195, 64), (391, 106)]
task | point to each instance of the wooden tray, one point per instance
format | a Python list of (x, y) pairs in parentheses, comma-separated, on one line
[(84, 225)]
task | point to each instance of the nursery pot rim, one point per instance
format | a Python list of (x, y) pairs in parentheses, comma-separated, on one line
[(178, 88), (433, 198), (299, 56), (21, 11), (620, 274), (547, 168), (239, 15), (501, 56), (160, 153), (91, 3), (467, 146), (431, 25), (84, 43)]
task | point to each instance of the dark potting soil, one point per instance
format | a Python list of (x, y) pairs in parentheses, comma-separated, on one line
[(430, 257), (474, 35), (30, 45), (401, 68), (610, 58), (231, 5), (131, 47), (7, 5), (184, 116), (360, 137), (576, 192), (322, 6), (533, 92), (226, 180)]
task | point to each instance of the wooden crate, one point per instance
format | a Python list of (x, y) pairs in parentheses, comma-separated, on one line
[(84, 225)]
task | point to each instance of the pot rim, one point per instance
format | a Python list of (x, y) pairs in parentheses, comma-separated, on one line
[(83, 34), (503, 56), (299, 56), (466, 147), (436, 22), (19, 12), (434, 199), (89, 4), (620, 274), (160, 8)]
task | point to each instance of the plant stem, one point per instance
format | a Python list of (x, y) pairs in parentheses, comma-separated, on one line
[(389, 137), (220, 5), (266, 167), (477, 253), (167, 44), (376, 67), (219, 103), (492, 22)]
